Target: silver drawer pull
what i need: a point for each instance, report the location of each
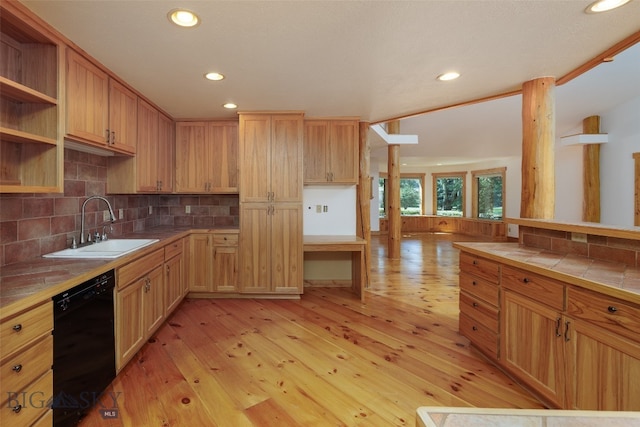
(526, 280)
(17, 368)
(474, 283)
(475, 328)
(611, 309)
(16, 408)
(475, 262)
(17, 327)
(475, 304)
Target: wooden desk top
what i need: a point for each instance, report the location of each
(333, 243)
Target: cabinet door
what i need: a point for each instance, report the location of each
(153, 300)
(129, 322)
(532, 345)
(123, 118)
(343, 152)
(603, 369)
(255, 158)
(286, 158)
(87, 99)
(286, 248)
(173, 283)
(147, 148)
(255, 247)
(192, 168)
(316, 144)
(225, 268)
(199, 263)
(222, 141)
(166, 153)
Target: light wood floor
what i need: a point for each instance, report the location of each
(325, 360)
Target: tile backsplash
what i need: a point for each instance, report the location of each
(36, 224)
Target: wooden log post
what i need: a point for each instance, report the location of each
(538, 139)
(363, 220)
(591, 172)
(393, 195)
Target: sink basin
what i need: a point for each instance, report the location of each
(108, 249)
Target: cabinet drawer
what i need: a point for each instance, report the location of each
(172, 249)
(479, 311)
(615, 315)
(225, 239)
(17, 371)
(483, 338)
(135, 269)
(480, 288)
(534, 286)
(480, 267)
(28, 404)
(20, 330)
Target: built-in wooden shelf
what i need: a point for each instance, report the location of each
(21, 93)
(13, 135)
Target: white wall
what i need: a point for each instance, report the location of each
(340, 217)
(622, 124)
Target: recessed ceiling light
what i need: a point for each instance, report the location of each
(230, 105)
(183, 18)
(605, 5)
(214, 76)
(451, 75)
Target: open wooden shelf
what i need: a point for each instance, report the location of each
(21, 93)
(19, 136)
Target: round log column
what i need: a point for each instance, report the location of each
(365, 187)
(538, 140)
(591, 173)
(393, 194)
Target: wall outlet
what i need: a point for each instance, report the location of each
(318, 208)
(120, 213)
(325, 208)
(187, 209)
(106, 216)
(579, 237)
(150, 210)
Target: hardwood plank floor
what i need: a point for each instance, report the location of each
(325, 360)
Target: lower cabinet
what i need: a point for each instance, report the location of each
(574, 348)
(148, 290)
(213, 263)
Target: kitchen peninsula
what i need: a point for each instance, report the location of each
(558, 310)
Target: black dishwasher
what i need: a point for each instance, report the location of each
(83, 347)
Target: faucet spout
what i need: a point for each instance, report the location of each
(113, 217)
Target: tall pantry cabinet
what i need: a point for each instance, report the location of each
(271, 181)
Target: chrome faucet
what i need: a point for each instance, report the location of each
(113, 217)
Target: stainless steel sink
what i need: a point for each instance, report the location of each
(109, 249)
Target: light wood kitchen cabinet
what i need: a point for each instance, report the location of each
(479, 303)
(603, 352)
(100, 110)
(31, 146)
(174, 279)
(271, 158)
(271, 254)
(26, 357)
(331, 151)
(151, 170)
(225, 262)
(213, 263)
(206, 157)
(139, 304)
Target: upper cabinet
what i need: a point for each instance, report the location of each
(271, 157)
(151, 170)
(100, 111)
(331, 151)
(31, 151)
(207, 157)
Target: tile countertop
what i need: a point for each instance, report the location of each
(31, 282)
(431, 416)
(614, 279)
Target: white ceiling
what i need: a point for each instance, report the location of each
(373, 59)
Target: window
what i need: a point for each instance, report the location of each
(488, 193)
(411, 194)
(448, 193)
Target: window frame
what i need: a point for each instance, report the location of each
(502, 171)
(407, 175)
(434, 179)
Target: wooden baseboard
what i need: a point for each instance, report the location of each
(223, 295)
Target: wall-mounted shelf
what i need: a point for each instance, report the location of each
(584, 138)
